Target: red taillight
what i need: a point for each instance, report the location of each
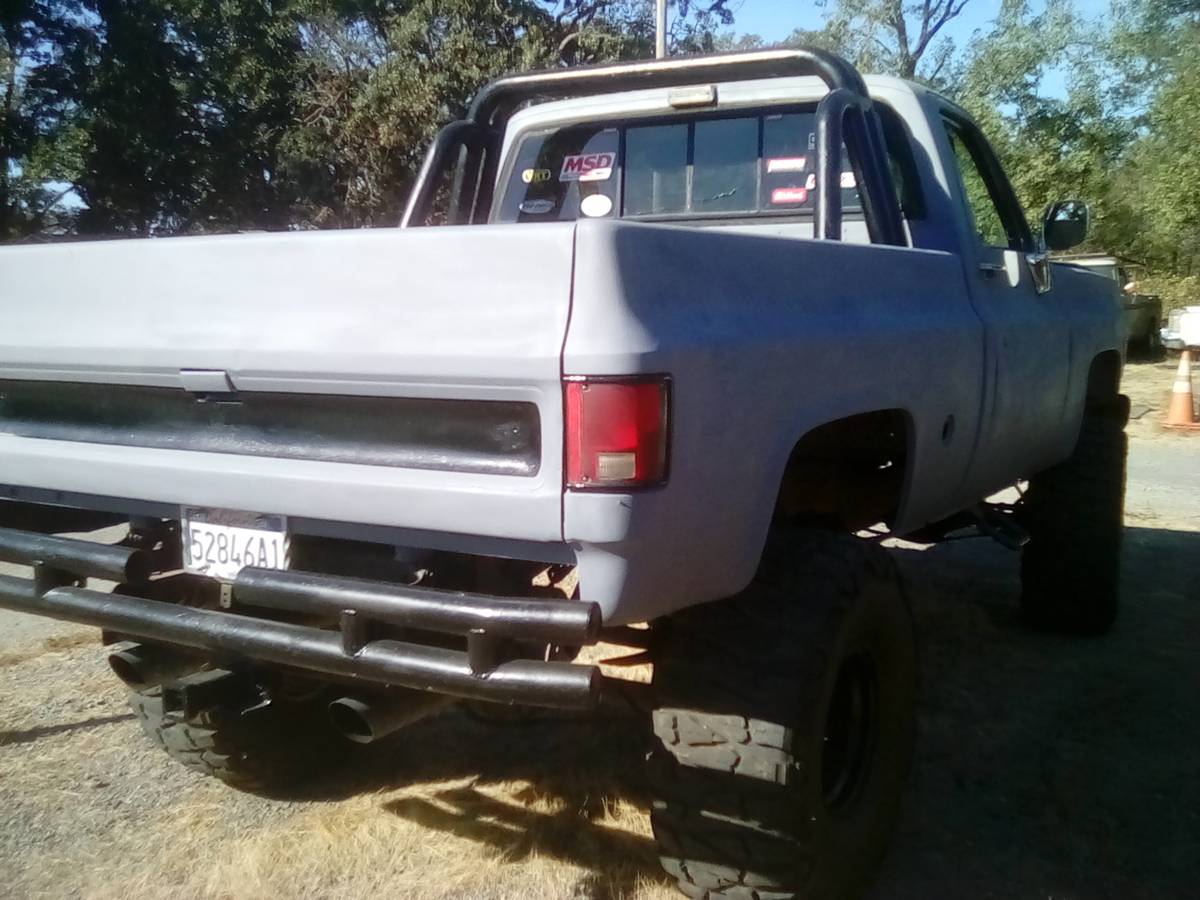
(616, 432)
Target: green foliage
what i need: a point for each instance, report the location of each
(904, 39)
(1123, 136)
(176, 116)
(1175, 290)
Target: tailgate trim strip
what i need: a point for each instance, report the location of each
(488, 437)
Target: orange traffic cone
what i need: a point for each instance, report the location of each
(1182, 411)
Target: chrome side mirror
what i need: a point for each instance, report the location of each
(1065, 224)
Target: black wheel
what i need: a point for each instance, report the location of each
(1074, 513)
(784, 726)
(258, 747)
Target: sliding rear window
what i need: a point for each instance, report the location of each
(714, 167)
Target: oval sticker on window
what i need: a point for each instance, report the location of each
(595, 205)
(535, 176)
(536, 207)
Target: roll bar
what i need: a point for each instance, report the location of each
(845, 114)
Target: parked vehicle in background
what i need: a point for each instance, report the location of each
(699, 332)
(1143, 312)
(1182, 330)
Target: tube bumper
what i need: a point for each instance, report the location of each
(483, 671)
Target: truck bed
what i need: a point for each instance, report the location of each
(333, 341)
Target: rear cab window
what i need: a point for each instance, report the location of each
(747, 164)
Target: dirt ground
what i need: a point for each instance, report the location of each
(1046, 767)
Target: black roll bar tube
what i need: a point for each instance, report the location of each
(846, 117)
(851, 115)
(445, 150)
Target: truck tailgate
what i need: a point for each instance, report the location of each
(208, 371)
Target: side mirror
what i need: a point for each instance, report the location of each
(1065, 224)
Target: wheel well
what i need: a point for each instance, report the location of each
(1104, 378)
(848, 473)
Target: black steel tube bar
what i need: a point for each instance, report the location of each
(86, 558)
(846, 117)
(680, 70)
(449, 141)
(552, 684)
(555, 622)
(846, 110)
(827, 208)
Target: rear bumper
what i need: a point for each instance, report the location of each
(484, 670)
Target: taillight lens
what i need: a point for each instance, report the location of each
(616, 432)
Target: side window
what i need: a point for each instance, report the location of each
(989, 224)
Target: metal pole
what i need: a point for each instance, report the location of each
(660, 31)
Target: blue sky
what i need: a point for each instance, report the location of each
(774, 19)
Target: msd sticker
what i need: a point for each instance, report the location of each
(789, 195)
(588, 167)
(787, 164)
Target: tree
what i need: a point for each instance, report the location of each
(379, 78)
(1052, 146)
(889, 36)
(34, 161)
(175, 116)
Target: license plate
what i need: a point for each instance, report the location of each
(220, 543)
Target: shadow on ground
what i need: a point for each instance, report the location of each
(32, 734)
(1046, 766)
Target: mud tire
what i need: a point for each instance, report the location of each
(759, 795)
(261, 749)
(1074, 513)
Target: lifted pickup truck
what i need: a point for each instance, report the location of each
(694, 334)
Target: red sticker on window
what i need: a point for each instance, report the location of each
(789, 195)
(588, 167)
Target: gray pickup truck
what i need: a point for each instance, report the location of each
(691, 336)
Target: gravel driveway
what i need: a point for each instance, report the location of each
(1047, 768)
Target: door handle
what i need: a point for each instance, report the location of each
(990, 269)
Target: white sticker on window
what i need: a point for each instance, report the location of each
(588, 167)
(787, 164)
(595, 205)
(848, 180)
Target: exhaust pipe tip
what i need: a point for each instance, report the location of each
(370, 718)
(352, 718)
(124, 664)
(145, 666)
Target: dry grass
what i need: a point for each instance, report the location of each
(56, 644)
(439, 840)
(458, 807)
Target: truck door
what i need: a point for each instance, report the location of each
(1026, 330)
